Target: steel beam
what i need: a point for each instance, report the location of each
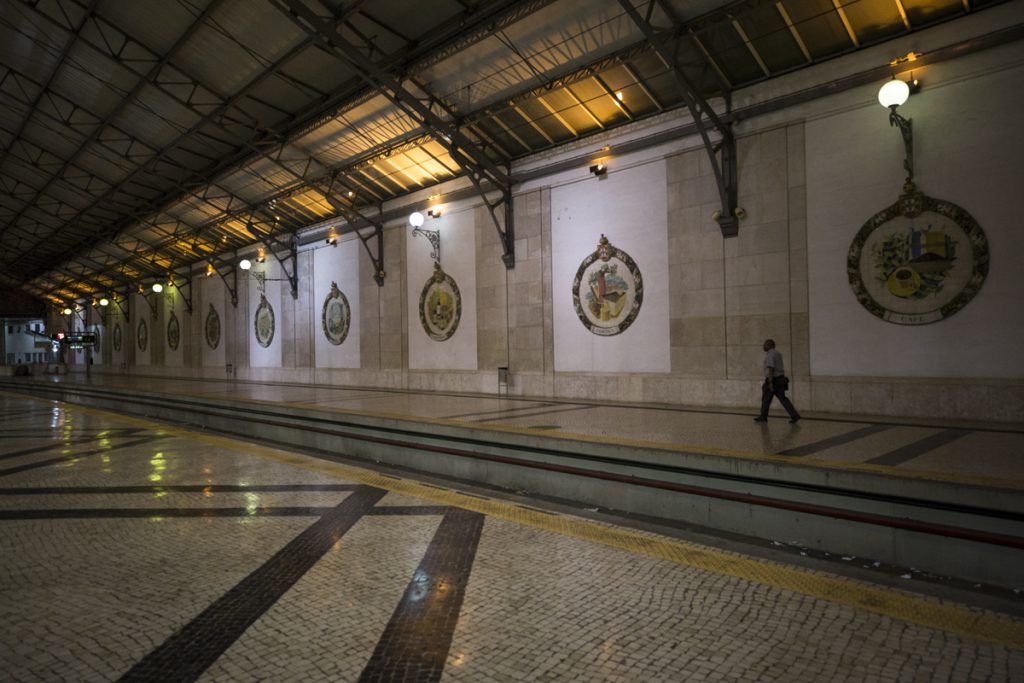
(706, 119)
(359, 220)
(273, 245)
(483, 172)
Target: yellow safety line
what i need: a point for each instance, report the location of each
(912, 609)
(976, 625)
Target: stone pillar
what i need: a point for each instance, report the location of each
(370, 308)
(394, 349)
(492, 290)
(306, 317)
(697, 329)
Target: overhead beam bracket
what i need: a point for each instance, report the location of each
(289, 264)
(485, 174)
(723, 154)
(360, 222)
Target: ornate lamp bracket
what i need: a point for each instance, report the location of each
(434, 237)
(906, 130)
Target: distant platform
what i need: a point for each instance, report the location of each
(944, 497)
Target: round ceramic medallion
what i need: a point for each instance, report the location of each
(212, 328)
(918, 261)
(173, 332)
(336, 316)
(143, 335)
(263, 322)
(117, 336)
(440, 305)
(608, 290)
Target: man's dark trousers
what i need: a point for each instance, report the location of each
(773, 388)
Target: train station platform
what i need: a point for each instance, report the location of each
(158, 529)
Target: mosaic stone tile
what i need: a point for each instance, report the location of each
(358, 585)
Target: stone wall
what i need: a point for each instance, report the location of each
(808, 178)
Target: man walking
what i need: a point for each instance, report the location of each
(775, 384)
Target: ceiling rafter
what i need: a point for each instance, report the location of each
(841, 13)
(511, 10)
(218, 153)
(182, 39)
(16, 135)
(222, 108)
(793, 32)
(251, 148)
(724, 169)
(478, 166)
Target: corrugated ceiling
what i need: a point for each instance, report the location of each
(137, 138)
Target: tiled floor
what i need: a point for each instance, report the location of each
(982, 453)
(135, 551)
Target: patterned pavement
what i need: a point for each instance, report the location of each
(131, 550)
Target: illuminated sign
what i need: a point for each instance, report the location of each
(75, 340)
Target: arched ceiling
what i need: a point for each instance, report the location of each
(137, 138)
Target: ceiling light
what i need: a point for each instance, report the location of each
(893, 93)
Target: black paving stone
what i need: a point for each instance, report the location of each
(76, 456)
(43, 449)
(177, 488)
(837, 440)
(409, 510)
(537, 414)
(190, 651)
(415, 643)
(920, 447)
(131, 513)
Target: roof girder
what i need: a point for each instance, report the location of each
(479, 168)
(724, 169)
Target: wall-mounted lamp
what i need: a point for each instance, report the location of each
(261, 255)
(245, 264)
(66, 311)
(332, 240)
(435, 212)
(157, 288)
(599, 169)
(892, 95)
(433, 236)
(104, 302)
(209, 270)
